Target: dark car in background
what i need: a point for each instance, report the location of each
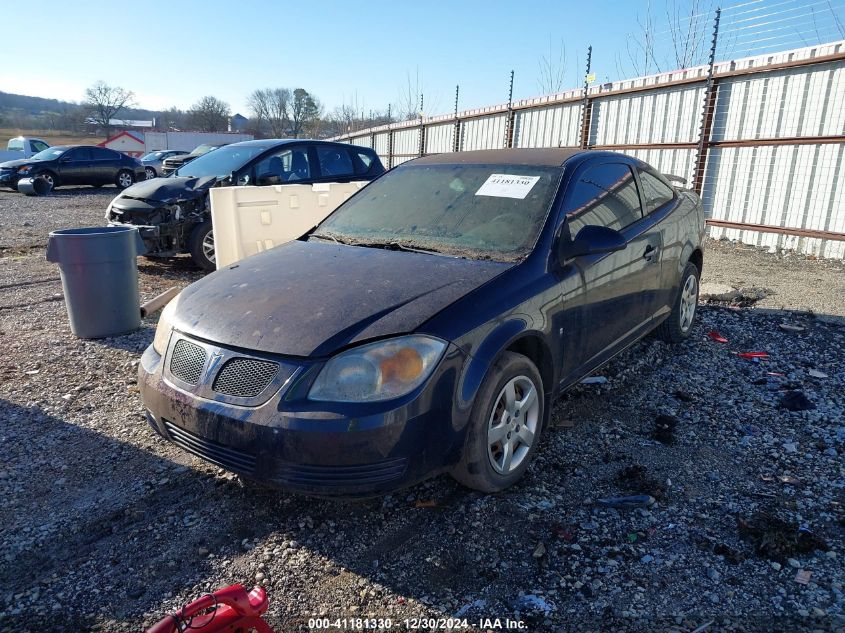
(172, 163)
(427, 324)
(173, 213)
(63, 165)
(152, 162)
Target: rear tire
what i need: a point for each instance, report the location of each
(125, 178)
(678, 324)
(505, 425)
(201, 246)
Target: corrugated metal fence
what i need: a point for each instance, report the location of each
(763, 142)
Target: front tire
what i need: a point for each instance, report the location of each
(504, 427)
(50, 178)
(201, 246)
(125, 178)
(150, 172)
(678, 324)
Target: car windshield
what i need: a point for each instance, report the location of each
(49, 154)
(199, 150)
(475, 211)
(153, 155)
(220, 162)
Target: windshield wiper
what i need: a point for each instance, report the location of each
(328, 237)
(398, 246)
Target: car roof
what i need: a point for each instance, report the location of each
(267, 143)
(555, 156)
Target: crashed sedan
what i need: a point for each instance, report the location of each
(427, 324)
(173, 214)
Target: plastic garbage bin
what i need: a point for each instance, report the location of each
(99, 278)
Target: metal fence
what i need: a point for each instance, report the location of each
(761, 138)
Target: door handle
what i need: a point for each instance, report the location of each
(650, 254)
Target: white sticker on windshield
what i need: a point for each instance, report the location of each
(507, 186)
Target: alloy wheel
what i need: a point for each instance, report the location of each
(49, 179)
(689, 299)
(150, 173)
(124, 179)
(208, 246)
(513, 425)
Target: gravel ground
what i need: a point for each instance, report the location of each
(105, 527)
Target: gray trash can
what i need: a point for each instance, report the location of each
(99, 278)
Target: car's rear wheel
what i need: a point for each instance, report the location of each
(505, 425)
(678, 324)
(125, 178)
(151, 173)
(202, 246)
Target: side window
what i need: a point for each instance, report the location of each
(37, 146)
(604, 195)
(101, 153)
(363, 160)
(656, 193)
(334, 161)
(78, 154)
(289, 165)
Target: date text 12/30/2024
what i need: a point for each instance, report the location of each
(415, 624)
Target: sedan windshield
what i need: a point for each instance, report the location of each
(220, 162)
(153, 155)
(476, 211)
(49, 154)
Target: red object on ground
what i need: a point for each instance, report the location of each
(714, 335)
(232, 609)
(752, 354)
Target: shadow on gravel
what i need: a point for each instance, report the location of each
(104, 530)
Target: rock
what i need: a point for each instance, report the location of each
(717, 292)
(713, 575)
(794, 563)
(203, 551)
(259, 576)
(775, 566)
(647, 558)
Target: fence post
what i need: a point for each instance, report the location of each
(456, 141)
(390, 146)
(509, 121)
(586, 105)
(421, 148)
(710, 91)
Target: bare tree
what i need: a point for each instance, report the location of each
(688, 30)
(104, 102)
(272, 106)
(552, 70)
(209, 114)
(304, 111)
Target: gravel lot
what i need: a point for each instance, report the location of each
(106, 527)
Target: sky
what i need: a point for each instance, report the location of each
(172, 53)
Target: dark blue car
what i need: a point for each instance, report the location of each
(428, 323)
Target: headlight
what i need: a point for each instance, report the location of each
(378, 371)
(165, 327)
(25, 169)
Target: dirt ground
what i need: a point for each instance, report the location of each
(104, 526)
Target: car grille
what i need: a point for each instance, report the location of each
(245, 377)
(223, 456)
(299, 475)
(187, 361)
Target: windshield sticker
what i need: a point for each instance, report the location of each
(507, 186)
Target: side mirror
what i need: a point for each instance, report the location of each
(591, 240)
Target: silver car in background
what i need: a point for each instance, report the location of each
(152, 161)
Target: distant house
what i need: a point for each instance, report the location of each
(237, 122)
(128, 142)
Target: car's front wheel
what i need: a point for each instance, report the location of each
(505, 425)
(202, 246)
(678, 324)
(151, 173)
(125, 178)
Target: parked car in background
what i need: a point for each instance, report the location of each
(23, 147)
(173, 213)
(75, 165)
(427, 324)
(172, 163)
(152, 162)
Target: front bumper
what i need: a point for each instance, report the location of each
(9, 178)
(327, 449)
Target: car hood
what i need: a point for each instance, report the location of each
(167, 190)
(20, 162)
(311, 299)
